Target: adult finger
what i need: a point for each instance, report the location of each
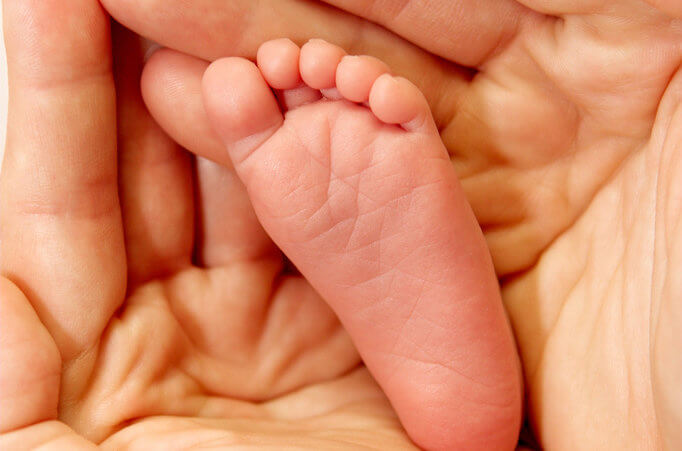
(155, 175)
(62, 237)
(227, 227)
(30, 368)
(210, 29)
(466, 32)
(30, 364)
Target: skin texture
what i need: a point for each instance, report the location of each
(365, 203)
(564, 128)
(565, 134)
(106, 327)
(110, 334)
(562, 118)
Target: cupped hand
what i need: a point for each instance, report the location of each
(109, 334)
(563, 120)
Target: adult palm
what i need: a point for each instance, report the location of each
(564, 127)
(110, 334)
(563, 119)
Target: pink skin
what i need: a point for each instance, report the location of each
(363, 199)
(355, 76)
(319, 60)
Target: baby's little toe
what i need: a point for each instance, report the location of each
(395, 100)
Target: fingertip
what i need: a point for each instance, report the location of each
(41, 44)
(156, 67)
(171, 86)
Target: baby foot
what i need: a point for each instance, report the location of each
(347, 173)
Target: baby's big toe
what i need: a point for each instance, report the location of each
(240, 105)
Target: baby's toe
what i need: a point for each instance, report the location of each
(240, 105)
(355, 76)
(395, 100)
(318, 63)
(278, 62)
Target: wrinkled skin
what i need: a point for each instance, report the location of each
(565, 128)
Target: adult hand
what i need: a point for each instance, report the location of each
(109, 334)
(563, 119)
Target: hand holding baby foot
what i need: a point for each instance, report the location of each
(561, 125)
(561, 119)
(112, 335)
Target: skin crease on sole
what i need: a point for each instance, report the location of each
(348, 175)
